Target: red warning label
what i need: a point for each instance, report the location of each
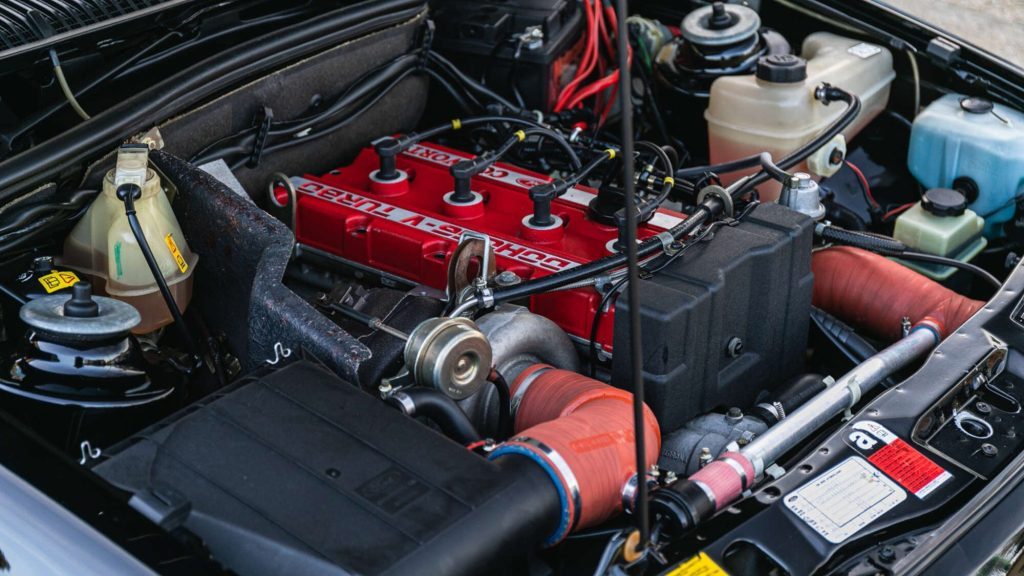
(897, 459)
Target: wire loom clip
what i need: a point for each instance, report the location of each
(263, 123)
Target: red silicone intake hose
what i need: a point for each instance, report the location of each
(875, 293)
(581, 430)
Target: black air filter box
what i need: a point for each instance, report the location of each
(724, 321)
(298, 472)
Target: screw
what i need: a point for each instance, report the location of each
(989, 450)
(705, 456)
(333, 472)
(887, 554)
(734, 348)
(983, 408)
(507, 278)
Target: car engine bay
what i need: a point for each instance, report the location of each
(510, 287)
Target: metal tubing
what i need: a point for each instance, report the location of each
(844, 394)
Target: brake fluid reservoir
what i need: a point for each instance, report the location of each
(941, 224)
(775, 110)
(976, 147)
(104, 249)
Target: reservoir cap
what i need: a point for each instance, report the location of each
(976, 105)
(782, 68)
(944, 202)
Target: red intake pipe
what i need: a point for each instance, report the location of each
(581, 432)
(875, 293)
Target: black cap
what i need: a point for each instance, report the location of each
(782, 68)
(976, 105)
(81, 304)
(944, 202)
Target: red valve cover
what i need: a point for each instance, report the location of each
(407, 228)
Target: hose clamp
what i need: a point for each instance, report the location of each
(405, 402)
(517, 398)
(563, 470)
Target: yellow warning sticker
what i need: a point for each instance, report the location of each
(699, 565)
(178, 258)
(58, 280)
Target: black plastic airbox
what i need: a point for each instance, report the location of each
(726, 319)
(298, 472)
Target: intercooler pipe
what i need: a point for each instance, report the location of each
(874, 293)
(720, 483)
(862, 288)
(580, 432)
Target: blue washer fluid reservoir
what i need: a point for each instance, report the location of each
(976, 146)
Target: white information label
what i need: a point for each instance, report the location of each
(864, 50)
(845, 499)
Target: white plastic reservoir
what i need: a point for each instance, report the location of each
(775, 110)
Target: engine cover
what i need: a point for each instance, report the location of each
(409, 230)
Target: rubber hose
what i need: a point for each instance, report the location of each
(864, 240)
(581, 431)
(439, 409)
(875, 293)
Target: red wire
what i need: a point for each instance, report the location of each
(589, 56)
(474, 445)
(863, 184)
(608, 81)
(897, 210)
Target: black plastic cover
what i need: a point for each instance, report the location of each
(727, 319)
(298, 472)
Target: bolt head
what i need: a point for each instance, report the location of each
(989, 450)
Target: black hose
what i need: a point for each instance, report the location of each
(128, 193)
(773, 170)
(890, 247)
(826, 93)
(865, 240)
(504, 404)
(636, 359)
(439, 409)
(710, 208)
(723, 168)
(851, 344)
(800, 390)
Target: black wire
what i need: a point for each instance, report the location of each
(953, 263)
(595, 325)
(633, 273)
(460, 99)
(468, 82)
(128, 193)
(338, 124)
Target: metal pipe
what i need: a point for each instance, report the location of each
(844, 394)
(686, 504)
